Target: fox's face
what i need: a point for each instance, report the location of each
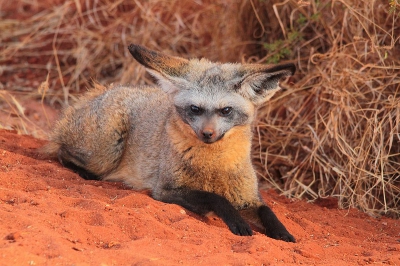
(207, 100)
(212, 112)
(212, 97)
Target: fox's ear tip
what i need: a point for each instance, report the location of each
(292, 68)
(286, 70)
(142, 54)
(133, 47)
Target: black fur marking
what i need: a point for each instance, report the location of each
(291, 67)
(203, 202)
(187, 169)
(63, 155)
(183, 114)
(259, 88)
(80, 171)
(240, 118)
(185, 162)
(121, 135)
(143, 55)
(187, 150)
(273, 227)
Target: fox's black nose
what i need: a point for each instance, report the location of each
(208, 133)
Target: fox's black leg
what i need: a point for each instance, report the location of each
(202, 202)
(273, 227)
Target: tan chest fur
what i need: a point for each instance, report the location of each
(223, 167)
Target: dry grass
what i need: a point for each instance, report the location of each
(335, 132)
(80, 40)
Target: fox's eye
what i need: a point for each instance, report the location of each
(196, 110)
(226, 111)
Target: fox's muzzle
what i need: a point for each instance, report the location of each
(209, 135)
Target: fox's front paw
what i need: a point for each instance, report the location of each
(240, 228)
(273, 227)
(281, 235)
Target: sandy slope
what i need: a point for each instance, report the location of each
(50, 216)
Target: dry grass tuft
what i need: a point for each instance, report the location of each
(335, 132)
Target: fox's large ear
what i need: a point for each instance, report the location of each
(260, 82)
(169, 70)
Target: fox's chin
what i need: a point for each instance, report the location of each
(208, 141)
(211, 140)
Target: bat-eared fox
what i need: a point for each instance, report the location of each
(187, 140)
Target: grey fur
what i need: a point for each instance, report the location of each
(188, 140)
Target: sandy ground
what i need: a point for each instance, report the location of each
(50, 216)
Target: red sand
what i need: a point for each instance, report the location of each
(50, 216)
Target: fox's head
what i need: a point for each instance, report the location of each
(212, 97)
